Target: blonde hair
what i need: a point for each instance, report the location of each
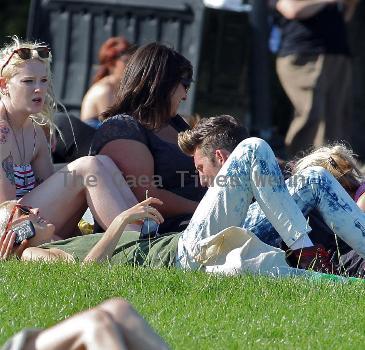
(5, 211)
(46, 116)
(338, 159)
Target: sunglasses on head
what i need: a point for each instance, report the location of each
(186, 83)
(23, 209)
(25, 53)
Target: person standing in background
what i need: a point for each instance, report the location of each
(314, 67)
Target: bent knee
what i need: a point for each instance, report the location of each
(118, 306)
(254, 146)
(82, 162)
(86, 165)
(104, 159)
(315, 171)
(311, 176)
(98, 319)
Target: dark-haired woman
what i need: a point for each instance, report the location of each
(140, 132)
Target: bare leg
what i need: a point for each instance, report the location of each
(112, 325)
(121, 185)
(118, 179)
(64, 195)
(136, 332)
(91, 330)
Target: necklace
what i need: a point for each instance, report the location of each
(22, 158)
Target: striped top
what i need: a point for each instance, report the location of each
(24, 175)
(24, 179)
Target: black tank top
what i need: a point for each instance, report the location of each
(324, 32)
(174, 168)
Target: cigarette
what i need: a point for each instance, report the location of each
(148, 222)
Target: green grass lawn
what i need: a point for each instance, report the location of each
(191, 310)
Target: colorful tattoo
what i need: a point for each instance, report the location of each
(7, 164)
(4, 132)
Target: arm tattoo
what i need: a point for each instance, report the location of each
(7, 164)
(4, 132)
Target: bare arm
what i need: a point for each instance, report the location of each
(301, 9)
(7, 248)
(42, 162)
(88, 107)
(105, 247)
(41, 254)
(350, 7)
(97, 99)
(24, 252)
(101, 251)
(136, 163)
(7, 180)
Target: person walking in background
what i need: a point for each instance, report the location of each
(113, 56)
(314, 68)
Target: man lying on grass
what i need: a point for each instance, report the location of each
(236, 172)
(211, 143)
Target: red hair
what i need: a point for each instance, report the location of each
(109, 52)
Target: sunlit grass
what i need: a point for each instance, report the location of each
(191, 310)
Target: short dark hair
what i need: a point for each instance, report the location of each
(150, 77)
(210, 134)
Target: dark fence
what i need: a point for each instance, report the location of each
(215, 41)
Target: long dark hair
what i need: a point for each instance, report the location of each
(151, 75)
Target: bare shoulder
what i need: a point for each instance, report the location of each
(125, 148)
(125, 152)
(52, 254)
(96, 100)
(100, 89)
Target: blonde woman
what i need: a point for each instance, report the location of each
(313, 183)
(97, 247)
(27, 103)
(340, 161)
